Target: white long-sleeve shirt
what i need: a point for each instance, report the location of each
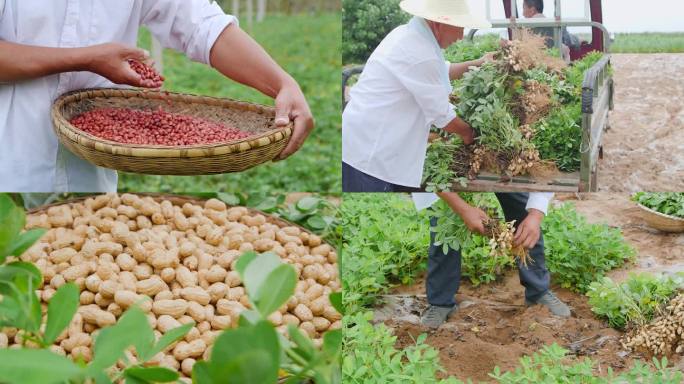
(31, 159)
(403, 91)
(537, 200)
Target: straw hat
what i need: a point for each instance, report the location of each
(452, 12)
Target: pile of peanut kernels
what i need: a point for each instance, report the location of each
(664, 334)
(175, 262)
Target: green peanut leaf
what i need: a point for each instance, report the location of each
(336, 301)
(244, 261)
(61, 310)
(25, 240)
(12, 220)
(201, 373)
(281, 286)
(303, 345)
(257, 271)
(332, 342)
(153, 374)
(167, 339)
(35, 366)
(308, 203)
(248, 354)
(132, 329)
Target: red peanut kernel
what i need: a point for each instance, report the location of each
(154, 127)
(147, 73)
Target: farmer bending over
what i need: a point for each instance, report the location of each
(444, 269)
(402, 92)
(48, 48)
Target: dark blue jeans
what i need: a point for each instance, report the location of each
(444, 270)
(354, 180)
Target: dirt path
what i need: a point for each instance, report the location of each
(493, 328)
(658, 251)
(644, 150)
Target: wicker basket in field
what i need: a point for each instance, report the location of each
(264, 144)
(661, 221)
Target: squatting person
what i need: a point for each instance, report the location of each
(403, 91)
(48, 48)
(444, 269)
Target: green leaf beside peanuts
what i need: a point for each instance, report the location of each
(61, 310)
(21, 366)
(151, 374)
(247, 355)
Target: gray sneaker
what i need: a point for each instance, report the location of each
(435, 316)
(553, 303)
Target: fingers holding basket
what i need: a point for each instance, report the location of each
(292, 106)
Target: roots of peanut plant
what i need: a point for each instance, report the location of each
(534, 103)
(508, 164)
(501, 241)
(528, 50)
(463, 158)
(520, 163)
(527, 131)
(663, 335)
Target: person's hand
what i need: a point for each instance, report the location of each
(110, 60)
(291, 105)
(468, 134)
(529, 230)
(474, 218)
(488, 57)
(459, 127)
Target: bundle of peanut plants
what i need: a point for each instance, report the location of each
(484, 256)
(524, 108)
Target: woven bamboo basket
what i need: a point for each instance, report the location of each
(661, 221)
(266, 142)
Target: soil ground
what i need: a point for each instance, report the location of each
(644, 149)
(494, 328)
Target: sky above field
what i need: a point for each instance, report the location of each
(618, 15)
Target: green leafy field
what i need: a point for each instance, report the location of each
(648, 43)
(309, 49)
(385, 244)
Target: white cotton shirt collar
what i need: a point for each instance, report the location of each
(31, 159)
(536, 200)
(403, 91)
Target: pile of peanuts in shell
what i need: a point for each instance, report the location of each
(175, 262)
(664, 334)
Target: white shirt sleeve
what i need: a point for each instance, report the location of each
(536, 200)
(423, 81)
(423, 200)
(189, 26)
(539, 201)
(2, 8)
